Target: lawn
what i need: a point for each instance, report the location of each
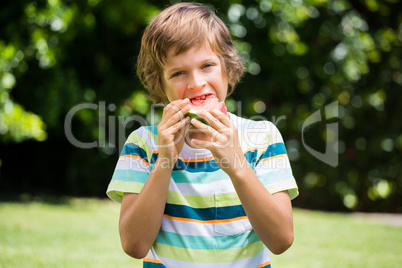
(83, 233)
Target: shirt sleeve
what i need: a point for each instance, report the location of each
(273, 166)
(133, 166)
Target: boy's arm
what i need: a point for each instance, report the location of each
(141, 214)
(269, 214)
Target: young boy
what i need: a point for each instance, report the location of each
(197, 195)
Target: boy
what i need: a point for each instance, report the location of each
(197, 195)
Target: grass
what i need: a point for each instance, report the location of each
(342, 240)
(83, 233)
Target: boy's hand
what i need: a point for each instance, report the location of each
(172, 130)
(224, 140)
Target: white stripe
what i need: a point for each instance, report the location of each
(221, 187)
(288, 184)
(251, 262)
(136, 164)
(205, 229)
(274, 164)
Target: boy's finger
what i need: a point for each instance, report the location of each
(208, 130)
(212, 120)
(182, 112)
(223, 118)
(180, 103)
(201, 143)
(174, 113)
(181, 127)
(176, 107)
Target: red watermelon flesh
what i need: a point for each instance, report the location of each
(207, 103)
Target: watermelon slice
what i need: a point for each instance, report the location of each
(205, 103)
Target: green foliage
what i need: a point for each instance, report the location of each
(15, 123)
(300, 57)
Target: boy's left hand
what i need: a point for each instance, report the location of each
(224, 140)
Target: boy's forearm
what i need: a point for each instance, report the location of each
(141, 215)
(270, 215)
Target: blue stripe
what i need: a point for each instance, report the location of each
(267, 266)
(152, 265)
(251, 156)
(134, 149)
(187, 212)
(180, 165)
(230, 212)
(273, 150)
(276, 176)
(180, 176)
(204, 166)
(192, 167)
(206, 242)
(204, 214)
(153, 129)
(130, 175)
(201, 174)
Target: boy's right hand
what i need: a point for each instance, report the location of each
(172, 130)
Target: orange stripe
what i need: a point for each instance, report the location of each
(210, 158)
(200, 221)
(264, 264)
(203, 159)
(196, 160)
(249, 150)
(272, 157)
(133, 156)
(152, 260)
(186, 160)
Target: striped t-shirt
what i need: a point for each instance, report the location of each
(204, 224)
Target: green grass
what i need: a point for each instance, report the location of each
(83, 233)
(341, 240)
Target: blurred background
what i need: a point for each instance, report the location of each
(69, 95)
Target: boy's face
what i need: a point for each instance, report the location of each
(194, 73)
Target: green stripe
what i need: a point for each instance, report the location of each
(207, 256)
(152, 135)
(116, 189)
(206, 242)
(190, 200)
(137, 139)
(204, 201)
(224, 200)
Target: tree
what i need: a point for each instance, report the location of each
(301, 57)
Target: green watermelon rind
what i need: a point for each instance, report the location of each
(193, 114)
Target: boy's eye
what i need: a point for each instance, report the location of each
(177, 74)
(207, 65)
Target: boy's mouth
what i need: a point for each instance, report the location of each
(200, 99)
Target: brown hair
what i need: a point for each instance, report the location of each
(183, 26)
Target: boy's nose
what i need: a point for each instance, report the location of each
(196, 82)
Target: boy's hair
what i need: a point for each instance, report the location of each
(183, 26)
